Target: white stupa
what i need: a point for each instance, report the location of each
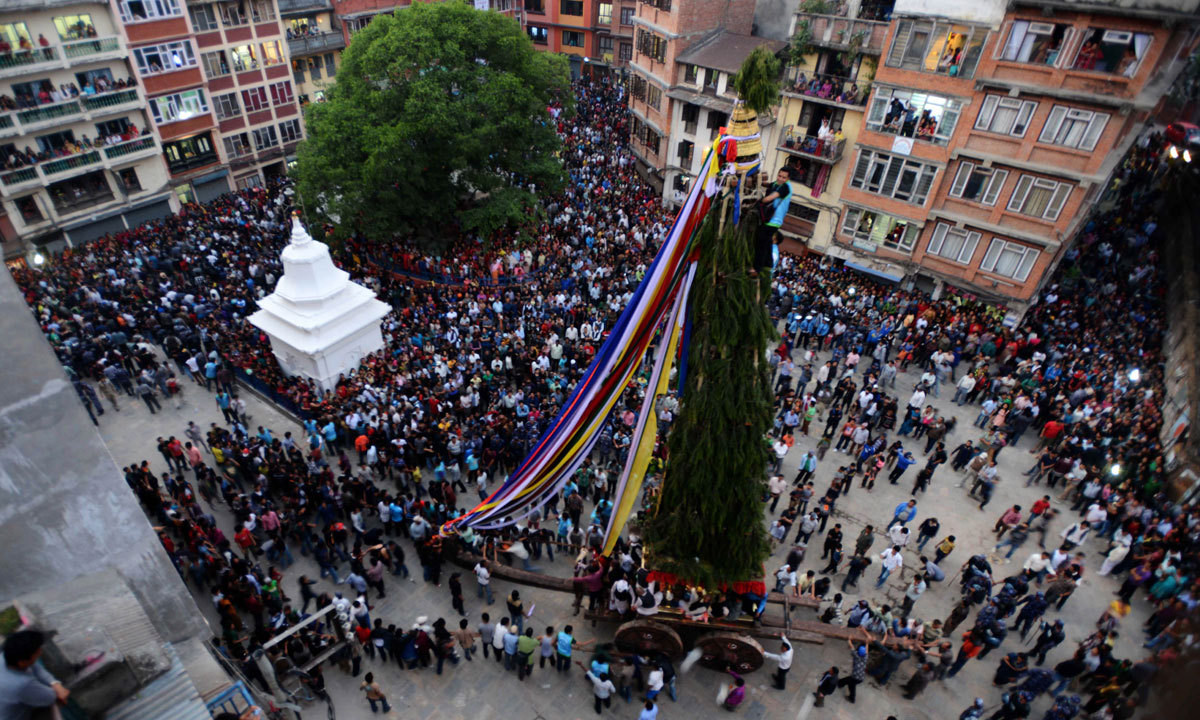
(320, 323)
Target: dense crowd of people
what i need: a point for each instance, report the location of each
(479, 356)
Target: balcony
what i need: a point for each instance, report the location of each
(27, 61)
(45, 115)
(93, 49)
(143, 146)
(15, 181)
(74, 162)
(810, 147)
(111, 102)
(315, 44)
(841, 33)
(826, 89)
(301, 6)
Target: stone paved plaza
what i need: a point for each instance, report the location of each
(481, 689)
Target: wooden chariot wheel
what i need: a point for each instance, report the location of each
(721, 650)
(649, 637)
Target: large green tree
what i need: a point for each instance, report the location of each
(707, 527)
(439, 116)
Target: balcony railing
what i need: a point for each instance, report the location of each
(18, 177)
(112, 152)
(110, 99)
(831, 88)
(74, 162)
(22, 58)
(828, 150)
(865, 36)
(91, 46)
(310, 44)
(192, 161)
(6, 122)
(291, 6)
(49, 112)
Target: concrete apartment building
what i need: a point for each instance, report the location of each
(990, 130)
(315, 39)
(828, 89)
(77, 163)
(685, 52)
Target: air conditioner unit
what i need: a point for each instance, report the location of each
(1121, 37)
(1041, 28)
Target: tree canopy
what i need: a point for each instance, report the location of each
(439, 116)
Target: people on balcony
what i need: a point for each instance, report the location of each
(27, 158)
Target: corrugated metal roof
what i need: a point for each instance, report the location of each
(725, 51)
(171, 696)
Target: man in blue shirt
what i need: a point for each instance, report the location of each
(775, 207)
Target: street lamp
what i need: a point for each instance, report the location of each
(851, 290)
(1115, 470)
(38, 258)
(1135, 375)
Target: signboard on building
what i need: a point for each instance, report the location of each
(481, 4)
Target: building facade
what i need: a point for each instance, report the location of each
(315, 38)
(662, 86)
(595, 35)
(79, 152)
(824, 100)
(989, 132)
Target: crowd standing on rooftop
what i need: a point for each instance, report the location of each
(485, 342)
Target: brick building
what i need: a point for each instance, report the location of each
(991, 129)
(684, 54)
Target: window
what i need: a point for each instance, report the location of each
(690, 116)
(227, 106)
(869, 228)
(1118, 52)
(255, 99)
(108, 128)
(1009, 259)
(289, 131)
(232, 14)
(237, 145)
(55, 140)
(627, 15)
(13, 33)
(179, 106)
(330, 64)
(626, 51)
(637, 86)
(604, 44)
(244, 58)
(690, 72)
(298, 67)
(654, 96)
(893, 176)
(978, 184)
(570, 7)
(651, 45)
(164, 58)
(271, 54)
(604, 13)
(572, 38)
(203, 17)
(314, 68)
(1005, 115)
(262, 10)
(646, 135)
(1039, 197)
(265, 137)
(660, 4)
(539, 35)
(30, 212)
(535, 6)
(250, 181)
(281, 93)
(685, 150)
(933, 117)
(215, 64)
(73, 27)
(937, 47)
(953, 244)
(712, 79)
(1034, 42)
(136, 10)
(188, 153)
(1073, 127)
(129, 179)
(716, 121)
